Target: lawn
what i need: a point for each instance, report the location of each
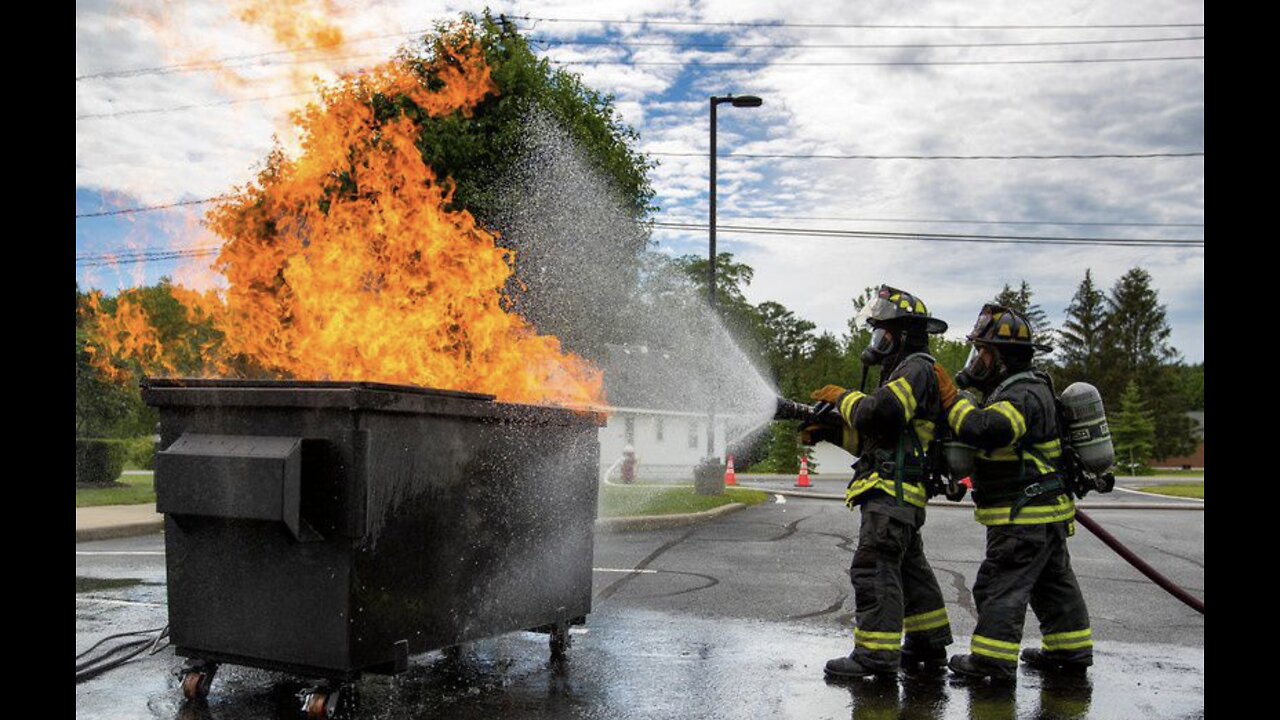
(128, 490)
(1186, 490)
(632, 500)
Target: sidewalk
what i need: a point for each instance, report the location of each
(114, 521)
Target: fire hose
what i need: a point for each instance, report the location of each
(1142, 566)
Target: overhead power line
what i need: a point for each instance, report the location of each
(860, 26)
(912, 63)
(1063, 223)
(135, 257)
(218, 103)
(937, 237)
(861, 46)
(148, 208)
(777, 156)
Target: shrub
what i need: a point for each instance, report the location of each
(99, 461)
(142, 452)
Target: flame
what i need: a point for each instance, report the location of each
(349, 263)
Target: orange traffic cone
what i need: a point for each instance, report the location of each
(803, 479)
(729, 477)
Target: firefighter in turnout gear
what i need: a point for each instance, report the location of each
(1022, 500)
(901, 616)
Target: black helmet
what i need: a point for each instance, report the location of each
(999, 325)
(897, 311)
(1008, 335)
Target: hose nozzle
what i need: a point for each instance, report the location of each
(792, 410)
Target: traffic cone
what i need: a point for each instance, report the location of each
(729, 477)
(803, 479)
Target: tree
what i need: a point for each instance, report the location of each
(1133, 431)
(784, 449)
(738, 315)
(786, 342)
(1080, 341)
(1136, 339)
(1020, 300)
(104, 408)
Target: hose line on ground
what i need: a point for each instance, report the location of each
(1142, 566)
(118, 655)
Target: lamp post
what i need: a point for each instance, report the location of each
(739, 101)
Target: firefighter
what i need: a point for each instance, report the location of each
(901, 617)
(1022, 500)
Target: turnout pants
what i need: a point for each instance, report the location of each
(1029, 563)
(897, 596)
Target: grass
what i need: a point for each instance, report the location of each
(1186, 490)
(128, 490)
(1179, 473)
(633, 500)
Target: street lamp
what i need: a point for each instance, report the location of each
(739, 101)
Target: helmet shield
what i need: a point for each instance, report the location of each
(890, 304)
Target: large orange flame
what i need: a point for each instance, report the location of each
(348, 263)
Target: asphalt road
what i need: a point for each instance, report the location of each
(728, 619)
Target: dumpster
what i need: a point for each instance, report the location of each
(328, 529)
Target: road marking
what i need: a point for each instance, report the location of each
(624, 570)
(119, 552)
(1157, 495)
(109, 601)
(779, 499)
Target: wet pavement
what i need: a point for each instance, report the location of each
(729, 619)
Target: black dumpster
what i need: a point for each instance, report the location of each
(332, 528)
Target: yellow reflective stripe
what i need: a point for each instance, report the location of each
(1051, 449)
(1062, 509)
(913, 494)
(872, 635)
(877, 646)
(959, 411)
(926, 621)
(1073, 635)
(993, 654)
(848, 403)
(1004, 454)
(925, 431)
(997, 649)
(902, 390)
(1081, 645)
(1005, 408)
(851, 441)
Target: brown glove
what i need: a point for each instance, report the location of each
(946, 387)
(828, 394)
(817, 432)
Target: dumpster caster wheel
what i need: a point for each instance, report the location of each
(560, 641)
(321, 703)
(197, 681)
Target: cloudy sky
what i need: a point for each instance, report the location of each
(158, 124)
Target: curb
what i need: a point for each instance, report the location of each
(112, 532)
(657, 522)
(969, 504)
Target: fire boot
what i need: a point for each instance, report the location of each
(848, 667)
(972, 667)
(917, 655)
(1048, 661)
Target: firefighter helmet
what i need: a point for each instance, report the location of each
(890, 304)
(999, 325)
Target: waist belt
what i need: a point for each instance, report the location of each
(1020, 498)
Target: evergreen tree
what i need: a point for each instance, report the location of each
(1133, 431)
(784, 449)
(1136, 349)
(1080, 341)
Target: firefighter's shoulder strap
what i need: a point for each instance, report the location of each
(1053, 486)
(908, 435)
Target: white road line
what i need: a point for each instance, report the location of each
(119, 552)
(625, 570)
(1157, 495)
(110, 601)
(779, 499)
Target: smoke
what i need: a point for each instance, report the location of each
(591, 278)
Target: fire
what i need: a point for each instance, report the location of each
(349, 263)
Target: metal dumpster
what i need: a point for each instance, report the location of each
(332, 528)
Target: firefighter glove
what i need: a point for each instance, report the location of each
(828, 394)
(946, 387)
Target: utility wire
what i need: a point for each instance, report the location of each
(735, 63)
(862, 26)
(218, 103)
(955, 222)
(806, 46)
(149, 208)
(1099, 156)
(938, 237)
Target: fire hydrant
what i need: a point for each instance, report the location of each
(628, 465)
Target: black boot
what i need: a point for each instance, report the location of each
(972, 667)
(848, 667)
(931, 657)
(1057, 662)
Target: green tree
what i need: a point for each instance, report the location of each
(1133, 431)
(103, 408)
(787, 342)
(784, 449)
(738, 315)
(1080, 341)
(1136, 339)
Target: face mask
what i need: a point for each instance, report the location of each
(976, 370)
(882, 344)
